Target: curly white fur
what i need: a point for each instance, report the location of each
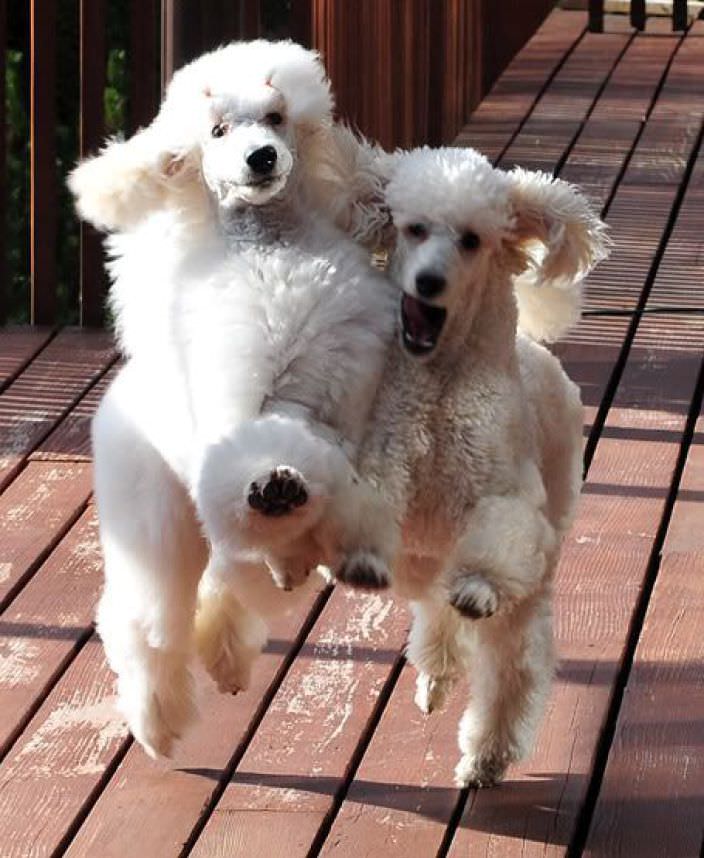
(255, 332)
(475, 438)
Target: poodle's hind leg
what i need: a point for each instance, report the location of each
(511, 674)
(435, 649)
(153, 553)
(229, 636)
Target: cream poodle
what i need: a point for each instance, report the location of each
(475, 438)
(255, 333)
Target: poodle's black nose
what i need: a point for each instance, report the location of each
(262, 160)
(428, 285)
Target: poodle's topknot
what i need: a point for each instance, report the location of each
(296, 72)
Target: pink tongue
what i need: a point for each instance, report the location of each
(416, 323)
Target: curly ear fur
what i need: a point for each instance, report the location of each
(132, 178)
(348, 176)
(559, 239)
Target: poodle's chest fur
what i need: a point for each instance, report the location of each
(439, 437)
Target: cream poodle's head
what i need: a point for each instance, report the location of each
(232, 127)
(465, 227)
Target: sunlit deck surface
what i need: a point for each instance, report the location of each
(326, 753)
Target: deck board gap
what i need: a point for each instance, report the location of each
(357, 756)
(5, 383)
(605, 740)
(43, 556)
(562, 160)
(644, 123)
(638, 312)
(258, 717)
(540, 93)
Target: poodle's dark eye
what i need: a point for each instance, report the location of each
(419, 231)
(220, 130)
(274, 118)
(469, 240)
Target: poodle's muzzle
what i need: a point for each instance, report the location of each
(249, 166)
(421, 324)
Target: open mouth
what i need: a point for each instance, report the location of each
(421, 325)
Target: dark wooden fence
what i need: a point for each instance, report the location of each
(404, 71)
(638, 15)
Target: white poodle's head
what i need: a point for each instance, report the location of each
(465, 227)
(232, 126)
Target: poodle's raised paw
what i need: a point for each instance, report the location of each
(432, 692)
(481, 770)
(282, 491)
(364, 571)
(474, 597)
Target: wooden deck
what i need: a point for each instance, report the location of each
(327, 754)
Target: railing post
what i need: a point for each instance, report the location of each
(93, 57)
(638, 14)
(143, 66)
(43, 161)
(679, 15)
(596, 16)
(3, 165)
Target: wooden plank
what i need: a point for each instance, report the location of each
(43, 196)
(495, 121)
(284, 786)
(403, 794)
(558, 116)
(604, 563)
(60, 759)
(44, 393)
(650, 801)
(46, 623)
(35, 513)
(70, 441)
(597, 159)
(18, 346)
(174, 792)
(92, 59)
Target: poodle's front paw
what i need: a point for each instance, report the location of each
(432, 692)
(279, 493)
(474, 597)
(287, 575)
(482, 770)
(365, 571)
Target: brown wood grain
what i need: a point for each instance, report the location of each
(35, 512)
(43, 177)
(403, 794)
(176, 791)
(47, 389)
(47, 621)
(497, 118)
(285, 784)
(92, 61)
(3, 170)
(60, 758)
(18, 345)
(650, 802)
(70, 441)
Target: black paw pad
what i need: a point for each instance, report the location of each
(283, 492)
(474, 601)
(364, 573)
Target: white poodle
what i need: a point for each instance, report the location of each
(475, 437)
(256, 334)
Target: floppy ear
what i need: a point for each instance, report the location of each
(347, 176)
(556, 228)
(131, 178)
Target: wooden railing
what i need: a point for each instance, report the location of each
(404, 71)
(638, 15)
